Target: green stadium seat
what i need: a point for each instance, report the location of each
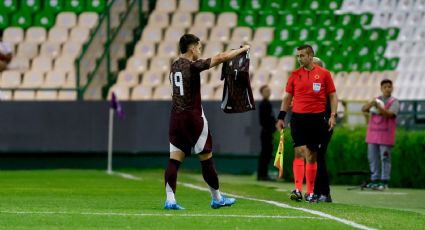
(367, 65)
(254, 5)
(211, 5)
(346, 20)
(375, 34)
(53, 6)
(301, 34)
(44, 19)
(97, 6)
(380, 64)
(349, 49)
(232, 5)
(4, 20)
(340, 34)
(321, 33)
(332, 4)
(392, 33)
(325, 19)
(339, 64)
(392, 63)
(283, 34)
(357, 34)
(8, 6)
(248, 18)
(294, 5)
(76, 6)
(274, 4)
(267, 18)
(365, 19)
(22, 20)
(30, 6)
(379, 48)
(306, 19)
(280, 48)
(287, 18)
(315, 5)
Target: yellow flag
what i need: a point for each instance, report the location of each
(278, 160)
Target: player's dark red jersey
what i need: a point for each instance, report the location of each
(237, 92)
(186, 84)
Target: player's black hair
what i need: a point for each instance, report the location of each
(308, 47)
(385, 81)
(187, 40)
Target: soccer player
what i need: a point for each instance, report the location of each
(188, 126)
(321, 185)
(380, 135)
(308, 87)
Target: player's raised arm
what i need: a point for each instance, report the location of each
(225, 56)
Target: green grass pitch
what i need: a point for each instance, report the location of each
(89, 199)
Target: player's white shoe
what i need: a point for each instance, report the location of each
(223, 202)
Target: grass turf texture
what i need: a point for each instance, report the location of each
(77, 199)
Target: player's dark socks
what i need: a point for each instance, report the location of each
(209, 173)
(170, 175)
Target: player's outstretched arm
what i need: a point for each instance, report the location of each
(225, 56)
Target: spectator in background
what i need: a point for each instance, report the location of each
(268, 127)
(308, 87)
(321, 186)
(5, 53)
(381, 134)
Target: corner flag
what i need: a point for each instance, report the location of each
(278, 160)
(116, 105)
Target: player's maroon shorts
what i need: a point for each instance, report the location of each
(189, 130)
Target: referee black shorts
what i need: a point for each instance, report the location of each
(308, 129)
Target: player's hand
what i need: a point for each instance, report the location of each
(373, 102)
(246, 46)
(332, 122)
(280, 124)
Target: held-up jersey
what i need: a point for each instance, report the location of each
(186, 84)
(237, 92)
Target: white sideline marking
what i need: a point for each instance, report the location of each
(126, 176)
(283, 205)
(383, 193)
(159, 215)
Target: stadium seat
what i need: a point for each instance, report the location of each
(145, 49)
(32, 79)
(35, 35)
(387, 5)
(165, 6)
(88, 20)
(58, 34)
(128, 78)
(152, 34)
(227, 19)
(241, 34)
(67, 95)
(122, 92)
(21, 19)
(97, 6)
(276, 93)
(189, 6)
(268, 18)
(212, 48)
(24, 95)
(260, 78)
(218, 93)
(46, 95)
(268, 63)
(9, 6)
(66, 20)
(278, 79)
(258, 50)
(158, 19)
(211, 6)
(20, 64)
(79, 34)
(200, 31)
(204, 19)
(72, 49)
(13, 35)
(263, 34)
(10, 79)
(141, 92)
(174, 33)
(167, 49)
(137, 64)
(27, 49)
(248, 18)
(152, 78)
(64, 63)
(207, 92)
(221, 34)
(50, 49)
(181, 19)
(76, 6)
(41, 64)
(54, 79)
(44, 19)
(160, 63)
(162, 92)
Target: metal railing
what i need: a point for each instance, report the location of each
(94, 67)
